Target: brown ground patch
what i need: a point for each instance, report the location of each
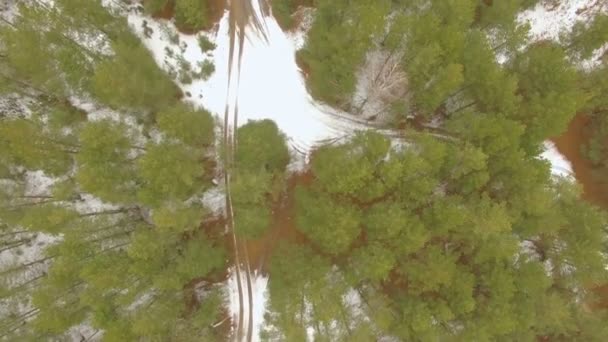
(215, 12)
(167, 12)
(215, 9)
(570, 145)
(283, 226)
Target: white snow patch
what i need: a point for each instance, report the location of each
(8, 9)
(259, 286)
(550, 19)
(547, 19)
(214, 199)
(560, 166)
(298, 161)
(30, 252)
(307, 17)
(260, 298)
(16, 106)
(94, 112)
(84, 332)
(352, 299)
(91, 204)
(595, 60)
(37, 183)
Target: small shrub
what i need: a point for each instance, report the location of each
(207, 69)
(191, 15)
(205, 44)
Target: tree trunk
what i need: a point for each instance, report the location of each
(24, 266)
(463, 107)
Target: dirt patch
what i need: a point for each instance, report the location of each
(283, 225)
(167, 12)
(570, 144)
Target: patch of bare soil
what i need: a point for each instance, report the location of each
(283, 227)
(570, 145)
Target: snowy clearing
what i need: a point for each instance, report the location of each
(282, 96)
(550, 18)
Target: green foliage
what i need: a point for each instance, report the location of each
(373, 262)
(132, 80)
(205, 44)
(123, 249)
(104, 165)
(261, 159)
(445, 241)
(261, 147)
(207, 68)
(358, 157)
(283, 11)
(199, 259)
(316, 212)
(27, 54)
(337, 42)
(190, 126)
(587, 36)
(435, 70)
(549, 91)
(169, 172)
(155, 6)
(493, 89)
(427, 239)
(191, 15)
(28, 144)
(177, 218)
(501, 13)
(595, 85)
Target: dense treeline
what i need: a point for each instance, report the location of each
(441, 236)
(439, 239)
(125, 203)
(449, 55)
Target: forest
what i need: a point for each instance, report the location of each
(452, 230)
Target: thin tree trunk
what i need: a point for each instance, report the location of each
(14, 244)
(111, 236)
(464, 107)
(107, 212)
(14, 233)
(18, 288)
(24, 266)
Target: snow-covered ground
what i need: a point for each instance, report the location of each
(560, 166)
(548, 19)
(259, 287)
(267, 85)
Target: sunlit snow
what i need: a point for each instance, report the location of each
(269, 83)
(560, 166)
